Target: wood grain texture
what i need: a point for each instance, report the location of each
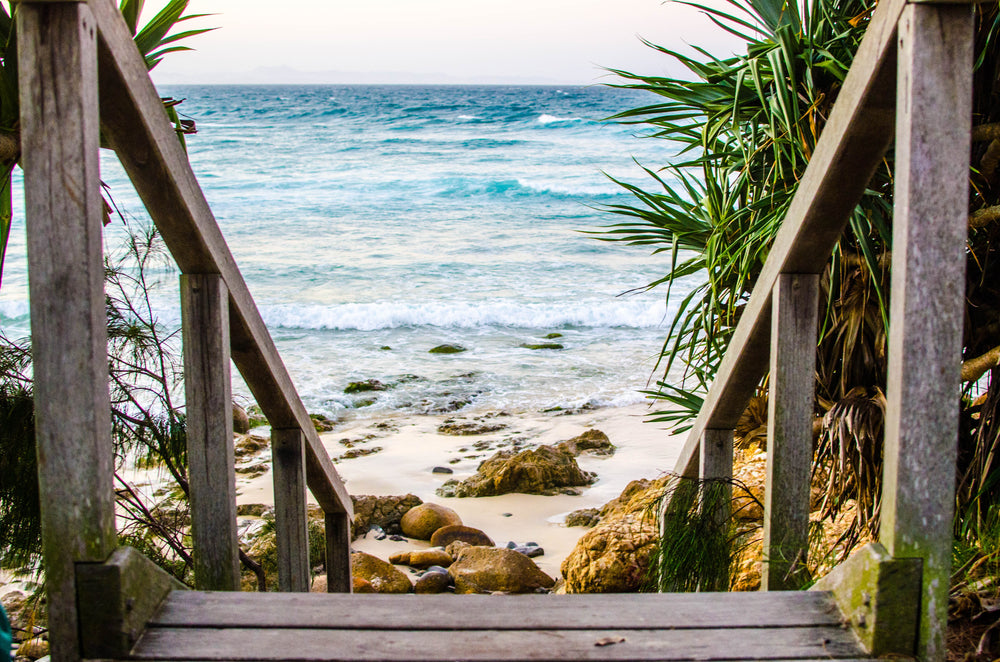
(791, 395)
(853, 142)
(59, 135)
(338, 553)
(209, 421)
(515, 612)
(137, 128)
(290, 516)
(415, 646)
(927, 298)
(716, 464)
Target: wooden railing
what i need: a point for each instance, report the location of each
(81, 76)
(910, 81)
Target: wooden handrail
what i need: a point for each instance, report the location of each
(849, 150)
(135, 125)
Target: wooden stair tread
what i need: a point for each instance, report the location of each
(194, 625)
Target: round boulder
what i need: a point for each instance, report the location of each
(467, 534)
(382, 576)
(422, 521)
(432, 582)
(492, 569)
(241, 420)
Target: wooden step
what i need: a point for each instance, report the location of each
(196, 625)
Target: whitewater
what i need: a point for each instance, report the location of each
(373, 223)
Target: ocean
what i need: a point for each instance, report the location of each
(373, 223)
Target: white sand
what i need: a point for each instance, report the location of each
(412, 448)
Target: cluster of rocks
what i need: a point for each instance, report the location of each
(27, 621)
(461, 559)
(542, 470)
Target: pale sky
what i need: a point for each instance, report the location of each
(433, 41)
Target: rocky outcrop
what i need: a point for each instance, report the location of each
(384, 512)
(422, 521)
(383, 577)
(365, 386)
(583, 517)
(544, 470)
(467, 534)
(594, 442)
(614, 556)
(492, 569)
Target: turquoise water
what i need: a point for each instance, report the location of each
(366, 217)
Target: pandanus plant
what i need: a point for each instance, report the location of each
(744, 128)
(155, 39)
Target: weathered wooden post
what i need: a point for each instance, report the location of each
(934, 93)
(211, 469)
(288, 458)
(794, 314)
(338, 553)
(715, 468)
(59, 136)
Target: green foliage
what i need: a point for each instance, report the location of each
(696, 547)
(154, 40)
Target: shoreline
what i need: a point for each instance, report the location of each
(412, 447)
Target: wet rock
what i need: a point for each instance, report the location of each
(432, 582)
(365, 386)
(253, 470)
(422, 521)
(541, 345)
(381, 511)
(382, 576)
(591, 441)
(458, 428)
(446, 349)
(241, 420)
(492, 569)
(544, 470)
(442, 470)
(553, 336)
(614, 556)
(529, 549)
(358, 452)
(446, 535)
(583, 517)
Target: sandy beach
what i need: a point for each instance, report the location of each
(412, 446)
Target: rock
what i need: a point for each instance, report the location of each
(33, 648)
(541, 345)
(458, 428)
(382, 576)
(446, 349)
(241, 420)
(425, 558)
(447, 489)
(455, 548)
(591, 441)
(432, 582)
(359, 585)
(446, 535)
(544, 470)
(400, 558)
(491, 569)
(442, 470)
(381, 511)
(553, 336)
(249, 445)
(366, 385)
(529, 549)
(421, 522)
(322, 423)
(253, 509)
(614, 556)
(583, 517)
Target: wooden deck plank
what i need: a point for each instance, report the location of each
(683, 610)
(479, 645)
